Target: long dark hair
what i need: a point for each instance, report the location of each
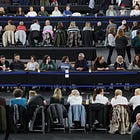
(95, 92)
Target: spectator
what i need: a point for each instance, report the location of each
(121, 43)
(32, 65)
(119, 99)
(120, 64)
(2, 11)
(67, 12)
(4, 64)
(98, 97)
(47, 64)
(111, 25)
(111, 44)
(81, 64)
(135, 131)
(19, 100)
(31, 12)
(42, 12)
(123, 10)
(20, 34)
(20, 12)
(135, 100)
(10, 26)
(136, 42)
(134, 29)
(111, 11)
(57, 97)
(64, 64)
(100, 64)
(56, 12)
(135, 11)
(122, 26)
(135, 65)
(17, 65)
(74, 98)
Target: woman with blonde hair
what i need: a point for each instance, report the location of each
(75, 98)
(57, 97)
(119, 99)
(121, 43)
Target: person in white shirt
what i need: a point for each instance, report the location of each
(135, 11)
(118, 99)
(35, 26)
(56, 12)
(32, 65)
(135, 100)
(74, 98)
(31, 13)
(98, 97)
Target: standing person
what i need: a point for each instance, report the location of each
(136, 42)
(121, 42)
(127, 34)
(135, 131)
(111, 44)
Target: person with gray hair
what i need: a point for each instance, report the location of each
(81, 63)
(135, 131)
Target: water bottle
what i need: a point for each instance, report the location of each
(4, 67)
(66, 73)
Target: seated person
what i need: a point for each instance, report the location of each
(123, 11)
(33, 64)
(47, 64)
(57, 97)
(67, 12)
(100, 64)
(4, 64)
(56, 12)
(20, 34)
(17, 65)
(98, 97)
(119, 99)
(135, 65)
(19, 100)
(64, 64)
(120, 64)
(111, 11)
(74, 98)
(81, 64)
(42, 12)
(31, 13)
(135, 11)
(20, 12)
(2, 11)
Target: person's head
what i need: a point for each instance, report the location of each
(118, 92)
(65, 59)
(88, 24)
(35, 21)
(16, 57)
(99, 23)
(18, 92)
(111, 21)
(60, 25)
(120, 33)
(97, 91)
(136, 7)
(57, 93)
(46, 58)
(33, 58)
(32, 93)
(2, 59)
(19, 9)
(111, 7)
(21, 23)
(81, 56)
(75, 92)
(123, 22)
(119, 59)
(72, 24)
(135, 23)
(31, 9)
(2, 9)
(112, 30)
(137, 57)
(47, 22)
(42, 8)
(101, 59)
(10, 22)
(122, 7)
(56, 8)
(68, 7)
(137, 91)
(138, 119)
